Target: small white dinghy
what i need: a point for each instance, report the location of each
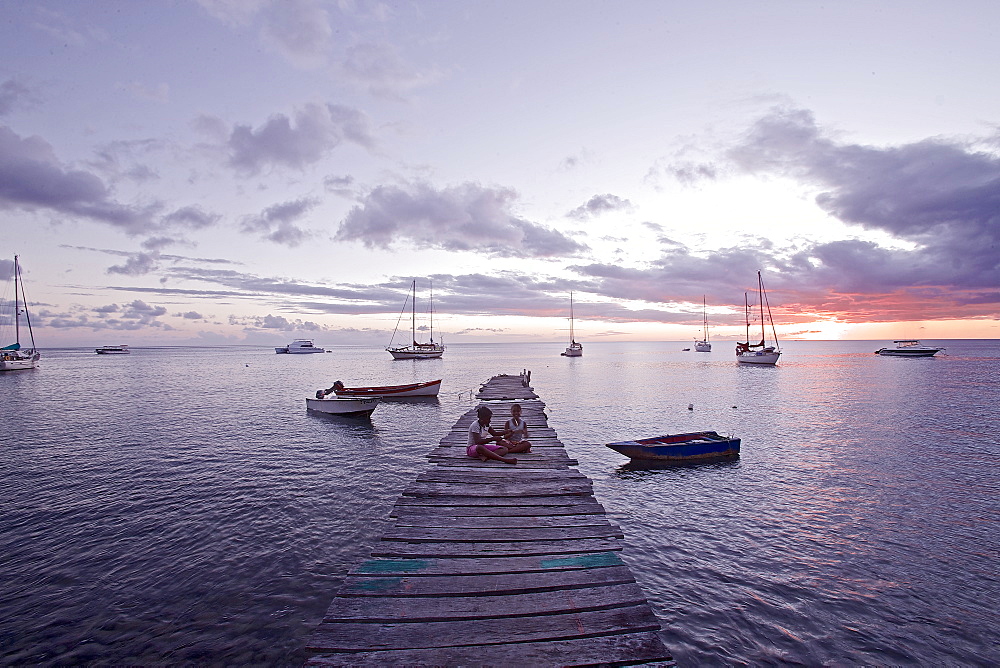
(349, 407)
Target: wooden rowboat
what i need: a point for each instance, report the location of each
(679, 447)
(426, 389)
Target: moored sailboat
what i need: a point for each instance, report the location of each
(703, 346)
(758, 353)
(416, 350)
(574, 349)
(14, 357)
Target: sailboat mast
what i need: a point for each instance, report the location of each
(746, 314)
(704, 318)
(572, 338)
(17, 307)
(760, 295)
(432, 311)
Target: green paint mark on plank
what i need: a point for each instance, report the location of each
(393, 565)
(375, 584)
(585, 561)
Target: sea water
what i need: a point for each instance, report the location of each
(180, 505)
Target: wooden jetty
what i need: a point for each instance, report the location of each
(493, 564)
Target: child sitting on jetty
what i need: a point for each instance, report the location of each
(515, 431)
(485, 442)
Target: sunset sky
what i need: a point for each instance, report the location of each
(252, 171)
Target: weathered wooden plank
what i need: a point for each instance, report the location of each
(441, 521)
(458, 566)
(492, 535)
(408, 550)
(523, 458)
(483, 583)
(469, 462)
(501, 489)
(497, 512)
(356, 636)
(439, 474)
(610, 650)
(492, 501)
(436, 609)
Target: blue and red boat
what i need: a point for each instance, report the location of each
(679, 447)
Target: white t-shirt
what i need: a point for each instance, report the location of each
(476, 428)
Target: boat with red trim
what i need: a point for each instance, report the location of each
(426, 389)
(679, 447)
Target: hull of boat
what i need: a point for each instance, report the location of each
(428, 389)
(18, 364)
(347, 407)
(892, 352)
(410, 354)
(679, 447)
(111, 351)
(574, 350)
(702, 347)
(758, 358)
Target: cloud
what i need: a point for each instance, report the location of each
(383, 72)
(599, 204)
(13, 94)
(134, 316)
(277, 323)
(299, 30)
(190, 217)
(234, 13)
(31, 177)
(340, 185)
(468, 217)
(282, 141)
(941, 195)
(276, 223)
(138, 264)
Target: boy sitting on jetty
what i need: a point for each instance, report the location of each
(485, 442)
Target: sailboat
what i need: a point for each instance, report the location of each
(575, 349)
(703, 346)
(416, 351)
(14, 357)
(758, 353)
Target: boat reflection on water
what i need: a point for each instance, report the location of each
(634, 467)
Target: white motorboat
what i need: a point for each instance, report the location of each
(299, 346)
(909, 348)
(349, 407)
(703, 346)
(112, 350)
(414, 350)
(14, 357)
(759, 353)
(574, 349)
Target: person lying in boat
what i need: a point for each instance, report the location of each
(484, 441)
(515, 431)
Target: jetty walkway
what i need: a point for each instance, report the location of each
(493, 564)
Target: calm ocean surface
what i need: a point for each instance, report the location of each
(179, 505)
